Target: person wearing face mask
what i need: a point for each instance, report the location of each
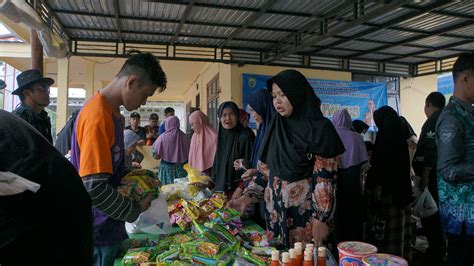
(299, 156)
(203, 143)
(233, 142)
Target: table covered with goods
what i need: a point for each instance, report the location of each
(189, 225)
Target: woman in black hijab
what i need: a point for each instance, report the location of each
(300, 149)
(233, 142)
(388, 184)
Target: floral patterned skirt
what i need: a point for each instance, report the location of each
(292, 206)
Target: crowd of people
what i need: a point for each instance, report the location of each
(304, 177)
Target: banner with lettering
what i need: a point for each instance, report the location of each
(359, 98)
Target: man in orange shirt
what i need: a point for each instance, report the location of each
(97, 151)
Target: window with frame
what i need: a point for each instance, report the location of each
(213, 100)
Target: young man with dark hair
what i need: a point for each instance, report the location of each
(169, 111)
(455, 139)
(135, 126)
(152, 129)
(97, 151)
(424, 165)
(33, 91)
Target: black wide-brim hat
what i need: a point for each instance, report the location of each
(30, 77)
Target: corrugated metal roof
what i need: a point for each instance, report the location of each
(430, 22)
(262, 35)
(146, 37)
(140, 8)
(83, 34)
(401, 50)
(390, 16)
(93, 6)
(440, 53)
(210, 23)
(358, 45)
(207, 30)
(214, 15)
(87, 21)
(282, 21)
(151, 26)
(436, 41)
(464, 7)
(306, 6)
(388, 35)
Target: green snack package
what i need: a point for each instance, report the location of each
(246, 254)
(168, 255)
(136, 256)
(263, 251)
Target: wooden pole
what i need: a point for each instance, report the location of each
(36, 51)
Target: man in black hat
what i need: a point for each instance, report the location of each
(135, 126)
(33, 91)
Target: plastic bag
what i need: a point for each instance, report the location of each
(155, 220)
(12, 184)
(425, 205)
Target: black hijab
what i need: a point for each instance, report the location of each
(261, 102)
(59, 211)
(291, 141)
(232, 144)
(390, 163)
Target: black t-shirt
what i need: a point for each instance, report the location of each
(141, 132)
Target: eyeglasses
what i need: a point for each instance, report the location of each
(43, 88)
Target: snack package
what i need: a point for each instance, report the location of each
(224, 215)
(140, 243)
(195, 176)
(252, 258)
(218, 200)
(201, 248)
(228, 236)
(263, 251)
(178, 239)
(163, 245)
(138, 184)
(172, 253)
(136, 256)
(175, 191)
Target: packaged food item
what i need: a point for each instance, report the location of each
(252, 258)
(138, 184)
(181, 238)
(354, 251)
(201, 248)
(140, 243)
(221, 230)
(172, 253)
(136, 256)
(218, 200)
(263, 251)
(380, 259)
(163, 245)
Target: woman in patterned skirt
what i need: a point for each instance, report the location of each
(172, 147)
(299, 157)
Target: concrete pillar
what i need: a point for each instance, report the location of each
(89, 85)
(36, 51)
(63, 94)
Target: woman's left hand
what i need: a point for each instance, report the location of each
(320, 231)
(237, 193)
